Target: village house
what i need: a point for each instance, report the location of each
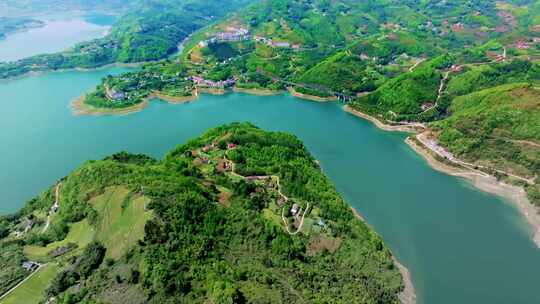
(281, 44)
(231, 146)
(426, 106)
(255, 178)
(55, 207)
(213, 84)
(458, 27)
(233, 34)
(28, 226)
(114, 95)
(456, 68)
(208, 147)
(30, 266)
(364, 56)
(295, 209)
(522, 44)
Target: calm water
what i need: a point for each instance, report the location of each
(57, 35)
(461, 245)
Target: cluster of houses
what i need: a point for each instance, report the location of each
(133, 82)
(276, 44)
(522, 44)
(200, 81)
(233, 34)
(230, 35)
(114, 95)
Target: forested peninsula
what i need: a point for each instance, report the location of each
(238, 215)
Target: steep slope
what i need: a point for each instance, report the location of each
(499, 128)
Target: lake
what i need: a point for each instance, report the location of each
(461, 245)
(58, 34)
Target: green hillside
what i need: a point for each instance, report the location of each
(238, 215)
(498, 127)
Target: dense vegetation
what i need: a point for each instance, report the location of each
(213, 235)
(499, 127)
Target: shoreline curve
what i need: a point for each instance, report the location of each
(408, 294)
(513, 194)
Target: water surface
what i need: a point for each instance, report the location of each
(56, 35)
(461, 245)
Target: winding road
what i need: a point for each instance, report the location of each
(233, 172)
(442, 152)
(53, 209)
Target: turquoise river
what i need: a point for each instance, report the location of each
(461, 245)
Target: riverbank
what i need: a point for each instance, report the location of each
(258, 92)
(79, 108)
(174, 99)
(487, 183)
(294, 93)
(77, 69)
(410, 128)
(408, 295)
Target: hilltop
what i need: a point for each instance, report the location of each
(238, 215)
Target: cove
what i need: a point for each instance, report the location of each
(56, 35)
(461, 245)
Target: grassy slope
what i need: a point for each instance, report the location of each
(80, 233)
(32, 290)
(120, 228)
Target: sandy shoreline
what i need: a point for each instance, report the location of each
(487, 183)
(413, 128)
(408, 295)
(310, 97)
(174, 99)
(80, 108)
(258, 92)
